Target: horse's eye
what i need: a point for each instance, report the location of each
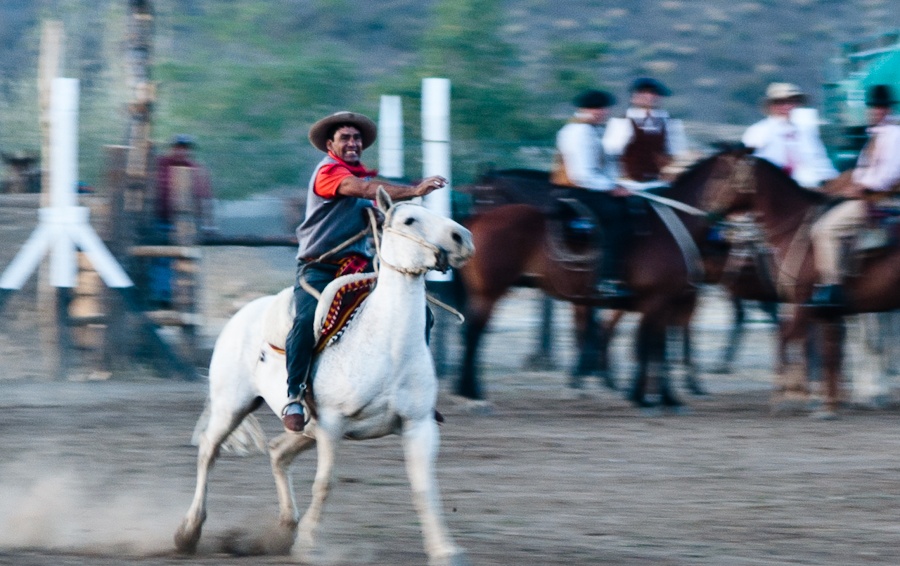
(409, 221)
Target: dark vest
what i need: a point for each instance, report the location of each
(646, 154)
(330, 222)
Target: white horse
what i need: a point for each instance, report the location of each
(873, 354)
(378, 379)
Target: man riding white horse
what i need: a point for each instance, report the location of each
(876, 176)
(340, 189)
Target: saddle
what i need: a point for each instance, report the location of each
(882, 228)
(338, 305)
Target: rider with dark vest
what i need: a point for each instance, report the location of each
(646, 140)
(581, 162)
(339, 191)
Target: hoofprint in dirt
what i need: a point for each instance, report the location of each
(99, 473)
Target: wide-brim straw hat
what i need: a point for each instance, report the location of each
(784, 91)
(321, 131)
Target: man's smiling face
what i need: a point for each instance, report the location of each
(346, 143)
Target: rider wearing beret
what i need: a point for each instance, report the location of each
(581, 162)
(877, 174)
(339, 191)
(646, 140)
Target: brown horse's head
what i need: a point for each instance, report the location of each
(731, 183)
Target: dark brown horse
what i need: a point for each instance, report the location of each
(785, 212)
(518, 239)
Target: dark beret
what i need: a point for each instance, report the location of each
(880, 96)
(594, 99)
(652, 85)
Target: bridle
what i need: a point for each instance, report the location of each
(439, 253)
(726, 189)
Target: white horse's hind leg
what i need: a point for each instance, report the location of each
(221, 423)
(866, 349)
(420, 446)
(282, 451)
(329, 431)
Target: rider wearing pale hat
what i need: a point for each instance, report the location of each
(877, 174)
(339, 191)
(790, 139)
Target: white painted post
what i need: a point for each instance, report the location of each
(436, 148)
(63, 225)
(64, 142)
(63, 179)
(436, 139)
(390, 137)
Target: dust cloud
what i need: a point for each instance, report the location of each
(43, 509)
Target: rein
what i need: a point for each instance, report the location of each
(373, 228)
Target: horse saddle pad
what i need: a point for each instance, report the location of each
(338, 304)
(883, 227)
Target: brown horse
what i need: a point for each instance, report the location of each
(785, 212)
(518, 239)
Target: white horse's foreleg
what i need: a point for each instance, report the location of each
(282, 451)
(420, 447)
(221, 424)
(329, 430)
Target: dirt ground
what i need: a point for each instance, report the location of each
(100, 472)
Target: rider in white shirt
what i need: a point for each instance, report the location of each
(877, 173)
(581, 163)
(789, 137)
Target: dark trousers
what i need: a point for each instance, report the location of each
(615, 229)
(301, 338)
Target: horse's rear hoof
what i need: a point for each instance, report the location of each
(186, 540)
(458, 558)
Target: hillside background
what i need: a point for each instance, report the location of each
(248, 77)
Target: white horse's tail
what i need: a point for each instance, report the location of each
(248, 438)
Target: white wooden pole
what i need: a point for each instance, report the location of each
(64, 142)
(63, 226)
(436, 139)
(390, 137)
(436, 148)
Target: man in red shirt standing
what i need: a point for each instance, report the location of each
(180, 155)
(339, 191)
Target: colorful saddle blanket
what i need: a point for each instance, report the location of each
(344, 304)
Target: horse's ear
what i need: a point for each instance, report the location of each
(383, 199)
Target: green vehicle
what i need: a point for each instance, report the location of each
(859, 65)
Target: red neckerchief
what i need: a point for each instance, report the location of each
(358, 170)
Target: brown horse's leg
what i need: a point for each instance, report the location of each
(478, 314)
(832, 357)
(651, 357)
(591, 344)
(683, 321)
(791, 383)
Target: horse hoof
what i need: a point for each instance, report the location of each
(651, 411)
(186, 540)
(609, 382)
(678, 410)
(824, 415)
(458, 558)
(694, 388)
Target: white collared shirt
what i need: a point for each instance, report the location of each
(581, 149)
(798, 150)
(878, 168)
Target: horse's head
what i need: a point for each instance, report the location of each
(416, 240)
(731, 183)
